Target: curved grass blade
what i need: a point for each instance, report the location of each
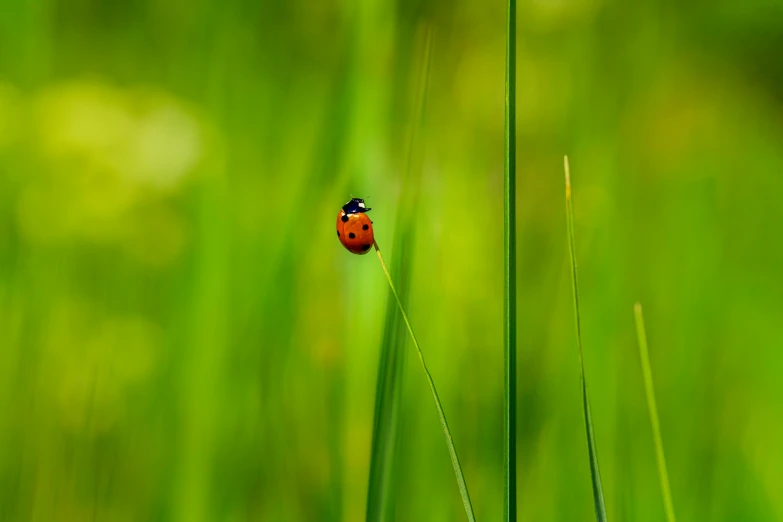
(595, 473)
(653, 409)
(510, 275)
(463, 487)
(386, 425)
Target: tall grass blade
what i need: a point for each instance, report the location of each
(463, 487)
(510, 274)
(653, 408)
(595, 473)
(386, 425)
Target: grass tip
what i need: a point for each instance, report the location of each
(649, 388)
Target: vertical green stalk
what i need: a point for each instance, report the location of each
(653, 408)
(386, 425)
(510, 274)
(595, 473)
(463, 487)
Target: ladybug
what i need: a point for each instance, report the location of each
(354, 228)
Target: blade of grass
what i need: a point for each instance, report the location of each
(595, 473)
(653, 408)
(463, 487)
(386, 425)
(510, 275)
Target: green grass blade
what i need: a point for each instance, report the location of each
(386, 425)
(653, 408)
(510, 275)
(463, 487)
(595, 473)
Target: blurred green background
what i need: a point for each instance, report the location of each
(183, 338)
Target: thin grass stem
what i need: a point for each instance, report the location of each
(653, 409)
(463, 488)
(510, 275)
(595, 473)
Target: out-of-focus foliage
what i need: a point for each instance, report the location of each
(182, 337)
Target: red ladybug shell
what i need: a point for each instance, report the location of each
(354, 229)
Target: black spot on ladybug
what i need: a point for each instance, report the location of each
(338, 233)
(365, 226)
(366, 247)
(344, 218)
(352, 235)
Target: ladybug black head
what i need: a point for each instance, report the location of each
(355, 206)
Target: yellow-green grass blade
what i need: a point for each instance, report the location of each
(510, 275)
(463, 487)
(649, 389)
(386, 425)
(595, 473)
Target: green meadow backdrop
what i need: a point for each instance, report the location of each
(183, 338)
